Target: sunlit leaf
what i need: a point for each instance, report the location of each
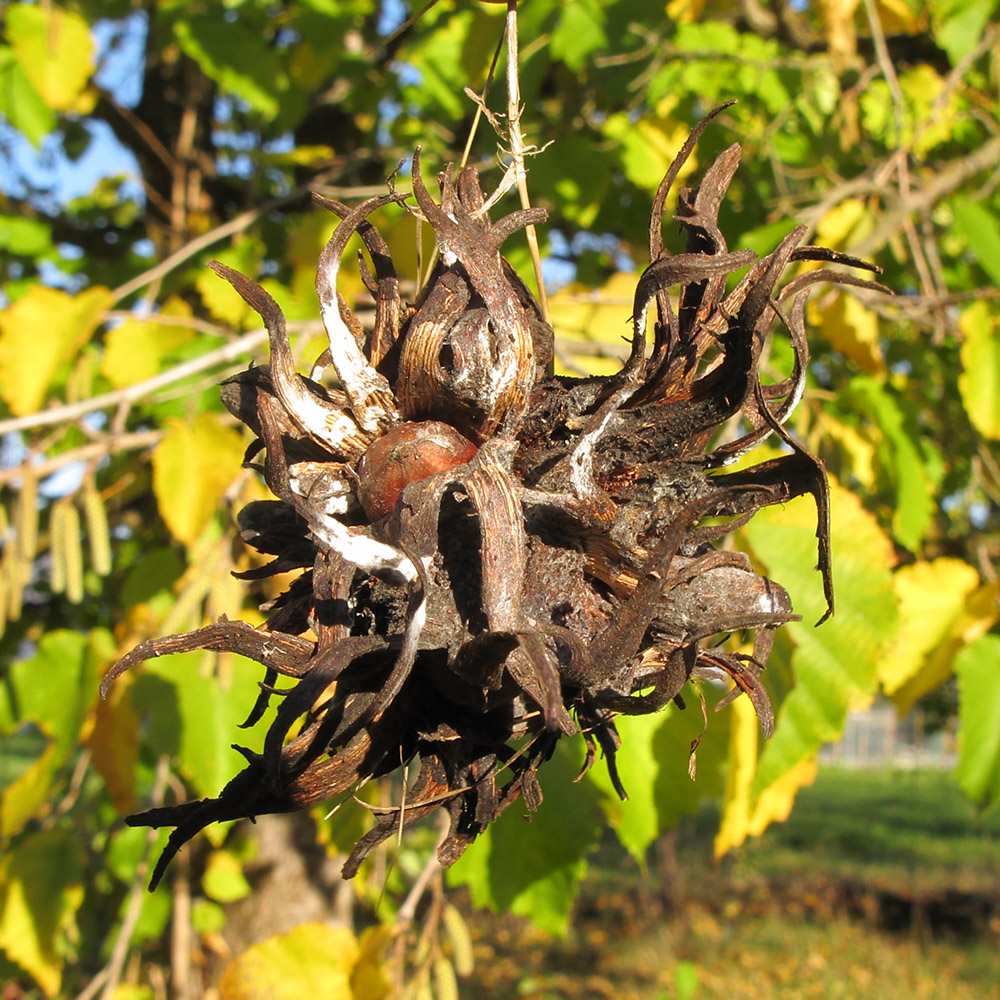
(981, 229)
(24, 236)
(20, 104)
(653, 766)
(942, 607)
(847, 326)
(979, 382)
(960, 24)
(236, 56)
(25, 797)
(54, 48)
(136, 350)
(978, 770)
(114, 745)
(900, 458)
(223, 879)
(313, 960)
(193, 715)
(39, 334)
(40, 891)
(193, 466)
(835, 665)
(579, 33)
(533, 868)
(649, 145)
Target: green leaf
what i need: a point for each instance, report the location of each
(580, 32)
(532, 868)
(193, 466)
(30, 237)
(40, 333)
(194, 716)
(55, 50)
(978, 770)
(20, 103)
(313, 960)
(979, 382)
(55, 687)
(40, 892)
(19, 752)
(981, 229)
(224, 880)
(835, 664)
(959, 25)
(648, 147)
(914, 507)
(236, 56)
(653, 766)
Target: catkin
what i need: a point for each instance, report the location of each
(57, 548)
(422, 991)
(98, 533)
(15, 575)
(74, 553)
(445, 983)
(457, 931)
(26, 517)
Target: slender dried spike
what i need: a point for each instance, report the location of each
(16, 573)
(26, 517)
(457, 931)
(445, 981)
(98, 533)
(187, 608)
(5, 555)
(72, 543)
(57, 548)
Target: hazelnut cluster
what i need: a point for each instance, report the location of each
(493, 558)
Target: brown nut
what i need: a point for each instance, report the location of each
(406, 454)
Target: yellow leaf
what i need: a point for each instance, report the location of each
(23, 798)
(734, 826)
(114, 744)
(369, 980)
(598, 316)
(837, 225)
(979, 382)
(858, 450)
(135, 350)
(775, 802)
(901, 18)
(847, 326)
(193, 466)
(39, 333)
(312, 960)
(942, 607)
(40, 892)
(54, 49)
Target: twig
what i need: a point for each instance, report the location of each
(110, 976)
(226, 354)
(941, 184)
(94, 450)
(517, 151)
(195, 246)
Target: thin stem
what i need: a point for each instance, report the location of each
(517, 151)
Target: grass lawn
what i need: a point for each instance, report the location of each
(801, 912)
